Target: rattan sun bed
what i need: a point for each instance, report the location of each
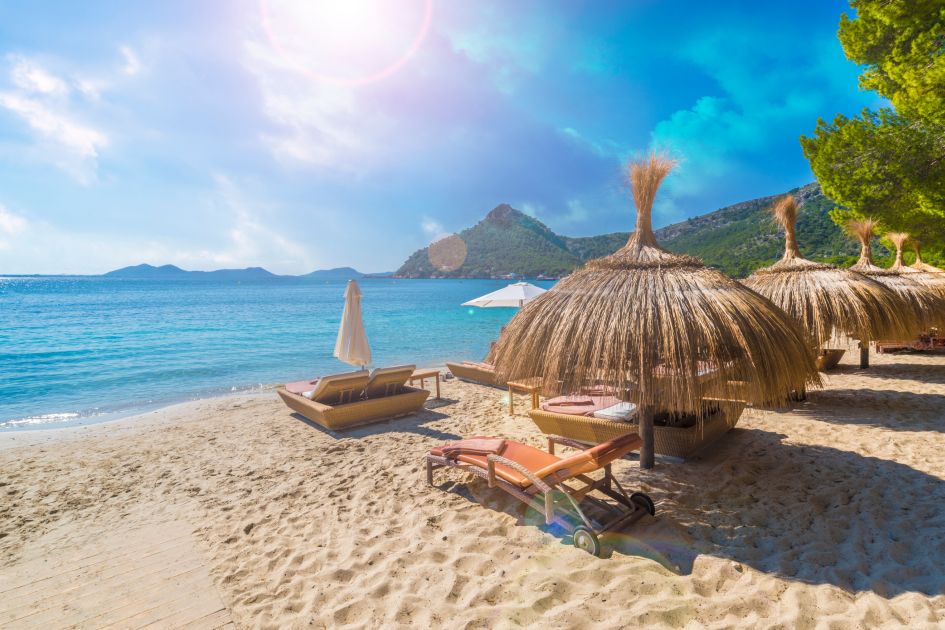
(481, 373)
(539, 480)
(675, 441)
(348, 400)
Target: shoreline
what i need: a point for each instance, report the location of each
(31, 435)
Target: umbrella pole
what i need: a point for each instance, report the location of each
(647, 454)
(864, 355)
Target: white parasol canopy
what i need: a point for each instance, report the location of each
(352, 346)
(514, 295)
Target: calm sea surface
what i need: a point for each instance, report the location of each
(79, 350)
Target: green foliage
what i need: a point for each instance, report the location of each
(890, 164)
(881, 165)
(902, 45)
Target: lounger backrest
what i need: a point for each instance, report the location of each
(340, 388)
(593, 458)
(388, 381)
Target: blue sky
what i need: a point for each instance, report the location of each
(304, 135)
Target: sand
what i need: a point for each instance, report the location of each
(827, 515)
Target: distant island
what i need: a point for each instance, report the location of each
(173, 272)
(736, 239)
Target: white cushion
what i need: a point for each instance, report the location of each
(621, 412)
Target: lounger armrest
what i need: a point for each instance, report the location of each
(557, 439)
(498, 459)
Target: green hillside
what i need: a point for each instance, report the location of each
(736, 239)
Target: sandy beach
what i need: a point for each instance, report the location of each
(827, 515)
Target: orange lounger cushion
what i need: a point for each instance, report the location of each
(531, 458)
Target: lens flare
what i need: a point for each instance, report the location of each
(346, 42)
(447, 254)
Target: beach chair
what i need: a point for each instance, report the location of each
(388, 381)
(482, 373)
(540, 480)
(339, 401)
(594, 426)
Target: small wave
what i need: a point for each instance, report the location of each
(45, 418)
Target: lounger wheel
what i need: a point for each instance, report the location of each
(586, 540)
(641, 500)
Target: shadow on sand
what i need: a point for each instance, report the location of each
(414, 423)
(814, 514)
(870, 407)
(927, 372)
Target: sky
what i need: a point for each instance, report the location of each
(309, 134)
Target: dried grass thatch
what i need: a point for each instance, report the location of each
(829, 303)
(919, 264)
(934, 282)
(648, 322)
(926, 304)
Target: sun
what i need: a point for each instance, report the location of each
(346, 42)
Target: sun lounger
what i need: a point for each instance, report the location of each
(541, 479)
(674, 441)
(482, 373)
(342, 401)
(388, 381)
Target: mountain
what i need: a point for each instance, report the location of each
(737, 239)
(172, 272)
(338, 273)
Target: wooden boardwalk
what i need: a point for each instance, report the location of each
(152, 577)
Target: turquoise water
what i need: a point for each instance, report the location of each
(79, 350)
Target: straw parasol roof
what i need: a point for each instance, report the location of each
(925, 303)
(934, 282)
(918, 264)
(827, 302)
(642, 313)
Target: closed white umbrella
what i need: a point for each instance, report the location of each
(518, 294)
(352, 346)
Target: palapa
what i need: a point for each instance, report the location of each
(647, 322)
(830, 304)
(925, 303)
(934, 282)
(919, 263)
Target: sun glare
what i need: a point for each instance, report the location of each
(346, 42)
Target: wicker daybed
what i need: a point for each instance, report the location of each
(829, 358)
(482, 373)
(343, 401)
(675, 441)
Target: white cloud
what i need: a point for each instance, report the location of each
(242, 236)
(132, 62)
(252, 241)
(317, 124)
(433, 229)
(41, 100)
(10, 225)
(33, 78)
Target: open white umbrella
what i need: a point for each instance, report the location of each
(352, 345)
(514, 295)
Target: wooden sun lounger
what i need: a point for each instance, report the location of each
(343, 401)
(681, 442)
(475, 373)
(528, 474)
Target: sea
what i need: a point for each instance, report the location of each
(79, 350)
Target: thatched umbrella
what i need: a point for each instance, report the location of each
(641, 314)
(934, 282)
(919, 264)
(921, 302)
(828, 302)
